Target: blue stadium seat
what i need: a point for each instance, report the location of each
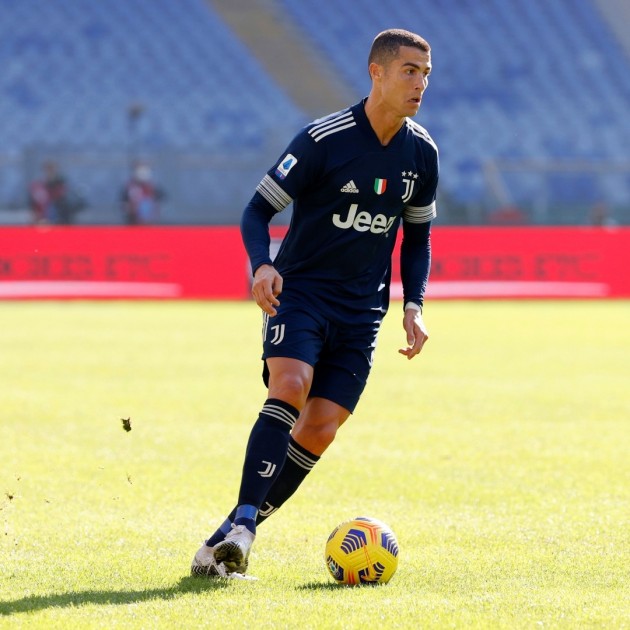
(79, 74)
(512, 79)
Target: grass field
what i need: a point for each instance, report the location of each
(500, 457)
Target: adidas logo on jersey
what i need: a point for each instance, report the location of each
(350, 187)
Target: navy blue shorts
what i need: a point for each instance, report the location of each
(341, 355)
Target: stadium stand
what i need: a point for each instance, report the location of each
(286, 55)
(528, 103)
(170, 56)
(71, 69)
(517, 80)
(617, 15)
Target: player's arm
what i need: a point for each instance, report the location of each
(298, 168)
(267, 283)
(415, 263)
(415, 253)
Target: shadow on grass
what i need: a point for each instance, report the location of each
(79, 598)
(320, 586)
(333, 586)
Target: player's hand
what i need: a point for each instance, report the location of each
(266, 288)
(416, 333)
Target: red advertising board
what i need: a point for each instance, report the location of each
(103, 262)
(534, 262)
(210, 263)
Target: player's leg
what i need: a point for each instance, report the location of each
(313, 433)
(289, 383)
(292, 341)
(339, 380)
(318, 424)
(335, 392)
(227, 549)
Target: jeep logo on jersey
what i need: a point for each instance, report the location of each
(363, 221)
(286, 164)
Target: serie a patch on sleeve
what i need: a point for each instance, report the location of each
(285, 165)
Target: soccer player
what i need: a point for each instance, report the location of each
(352, 177)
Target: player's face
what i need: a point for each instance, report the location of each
(404, 80)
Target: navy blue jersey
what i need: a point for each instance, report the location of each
(349, 196)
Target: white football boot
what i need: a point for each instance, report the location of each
(204, 564)
(233, 552)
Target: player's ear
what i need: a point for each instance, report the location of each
(375, 70)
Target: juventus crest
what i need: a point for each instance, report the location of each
(277, 331)
(409, 179)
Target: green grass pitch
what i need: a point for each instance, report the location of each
(500, 457)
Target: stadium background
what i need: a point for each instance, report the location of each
(528, 104)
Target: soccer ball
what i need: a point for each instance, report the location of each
(361, 551)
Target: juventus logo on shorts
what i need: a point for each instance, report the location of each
(277, 331)
(278, 334)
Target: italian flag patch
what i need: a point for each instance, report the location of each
(380, 185)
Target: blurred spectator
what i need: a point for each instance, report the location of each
(141, 197)
(51, 200)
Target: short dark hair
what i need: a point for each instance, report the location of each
(386, 44)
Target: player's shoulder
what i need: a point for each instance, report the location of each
(420, 135)
(332, 125)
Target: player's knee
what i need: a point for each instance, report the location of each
(290, 387)
(316, 436)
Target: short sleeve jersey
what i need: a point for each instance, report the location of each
(349, 194)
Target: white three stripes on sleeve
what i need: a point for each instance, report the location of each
(324, 129)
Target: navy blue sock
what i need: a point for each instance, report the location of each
(298, 464)
(246, 515)
(222, 532)
(264, 458)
